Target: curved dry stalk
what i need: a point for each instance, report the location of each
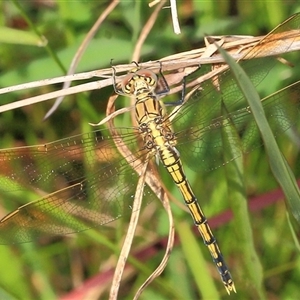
(80, 52)
(129, 236)
(72, 90)
(146, 30)
(237, 46)
(113, 115)
(104, 73)
(168, 250)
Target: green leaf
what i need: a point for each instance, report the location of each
(252, 268)
(196, 262)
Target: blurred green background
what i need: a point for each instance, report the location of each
(53, 268)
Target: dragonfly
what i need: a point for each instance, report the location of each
(159, 140)
(101, 183)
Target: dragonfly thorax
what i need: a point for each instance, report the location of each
(157, 134)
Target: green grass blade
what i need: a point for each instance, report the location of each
(197, 263)
(248, 258)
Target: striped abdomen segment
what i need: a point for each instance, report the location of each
(171, 160)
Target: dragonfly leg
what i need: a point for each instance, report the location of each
(117, 91)
(166, 89)
(183, 91)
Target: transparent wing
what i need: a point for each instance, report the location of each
(201, 145)
(200, 121)
(94, 184)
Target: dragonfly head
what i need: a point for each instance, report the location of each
(139, 81)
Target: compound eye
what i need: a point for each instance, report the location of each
(126, 83)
